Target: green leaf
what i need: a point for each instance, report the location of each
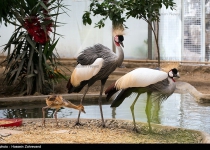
(26, 64)
(43, 5)
(31, 42)
(51, 48)
(19, 69)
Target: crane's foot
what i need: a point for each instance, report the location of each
(102, 125)
(57, 126)
(150, 129)
(136, 130)
(43, 123)
(77, 124)
(142, 132)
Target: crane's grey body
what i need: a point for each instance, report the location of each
(160, 91)
(111, 60)
(163, 89)
(128, 84)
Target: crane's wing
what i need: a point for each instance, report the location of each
(121, 95)
(90, 54)
(85, 72)
(140, 77)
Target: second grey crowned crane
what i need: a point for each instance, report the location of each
(157, 84)
(95, 63)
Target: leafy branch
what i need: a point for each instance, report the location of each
(119, 11)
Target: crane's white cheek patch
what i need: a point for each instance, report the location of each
(85, 72)
(170, 74)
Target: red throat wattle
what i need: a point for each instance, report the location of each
(118, 44)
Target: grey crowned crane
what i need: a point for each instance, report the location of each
(95, 63)
(56, 102)
(157, 84)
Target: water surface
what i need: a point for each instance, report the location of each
(179, 110)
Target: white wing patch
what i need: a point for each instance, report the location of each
(140, 77)
(85, 72)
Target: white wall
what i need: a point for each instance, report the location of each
(136, 39)
(77, 36)
(5, 34)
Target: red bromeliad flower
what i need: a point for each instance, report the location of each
(33, 26)
(35, 30)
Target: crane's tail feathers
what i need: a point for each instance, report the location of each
(122, 95)
(110, 91)
(118, 100)
(77, 89)
(69, 85)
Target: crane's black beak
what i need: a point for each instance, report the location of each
(121, 43)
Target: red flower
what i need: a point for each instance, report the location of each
(33, 26)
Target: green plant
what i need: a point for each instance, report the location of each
(32, 66)
(118, 11)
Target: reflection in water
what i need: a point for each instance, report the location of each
(155, 112)
(113, 112)
(27, 113)
(180, 110)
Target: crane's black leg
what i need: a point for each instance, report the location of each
(148, 110)
(77, 122)
(132, 111)
(43, 114)
(100, 101)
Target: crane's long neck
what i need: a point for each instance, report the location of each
(172, 85)
(120, 57)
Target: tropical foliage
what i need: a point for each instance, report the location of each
(31, 63)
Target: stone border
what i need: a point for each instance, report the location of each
(7, 101)
(181, 87)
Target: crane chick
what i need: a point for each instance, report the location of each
(56, 102)
(157, 83)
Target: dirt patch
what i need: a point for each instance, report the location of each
(117, 131)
